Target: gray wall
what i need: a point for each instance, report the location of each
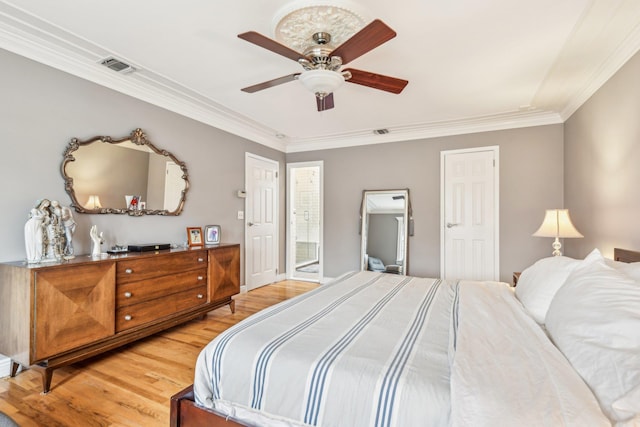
(531, 174)
(43, 108)
(602, 166)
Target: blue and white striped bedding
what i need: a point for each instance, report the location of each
(369, 349)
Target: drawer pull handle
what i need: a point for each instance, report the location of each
(127, 294)
(200, 277)
(128, 317)
(128, 271)
(200, 259)
(200, 296)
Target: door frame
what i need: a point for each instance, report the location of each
(247, 200)
(496, 208)
(290, 262)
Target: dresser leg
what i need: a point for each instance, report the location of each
(47, 375)
(14, 368)
(232, 306)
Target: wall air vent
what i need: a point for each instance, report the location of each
(117, 65)
(381, 131)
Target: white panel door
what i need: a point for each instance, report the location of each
(261, 221)
(470, 214)
(173, 186)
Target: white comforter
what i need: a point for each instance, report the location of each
(373, 349)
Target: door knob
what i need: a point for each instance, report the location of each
(250, 224)
(449, 225)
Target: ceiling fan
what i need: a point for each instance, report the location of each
(322, 63)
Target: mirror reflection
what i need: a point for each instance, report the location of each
(129, 175)
(385, 226)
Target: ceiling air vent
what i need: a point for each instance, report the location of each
(381, 131)
(117, 65)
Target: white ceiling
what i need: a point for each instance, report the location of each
(382, 202)
(472, 65)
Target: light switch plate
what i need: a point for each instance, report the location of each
(240, 214)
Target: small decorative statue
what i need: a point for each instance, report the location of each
(34, 235)
(46, 236)
(67, 224)
(96, 241)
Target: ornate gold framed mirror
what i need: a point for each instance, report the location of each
(124, 176)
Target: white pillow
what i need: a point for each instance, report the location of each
(594, 319)
(631, 269)
(539, 283)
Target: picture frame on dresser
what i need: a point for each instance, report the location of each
(212, 235)
(194, 236)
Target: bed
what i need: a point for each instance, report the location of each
(376, 349)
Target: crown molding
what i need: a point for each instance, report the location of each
(35, 39)
(609, 68)
(509, 120)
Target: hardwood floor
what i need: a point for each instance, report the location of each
(132, 385)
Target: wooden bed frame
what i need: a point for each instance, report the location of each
(185, 412)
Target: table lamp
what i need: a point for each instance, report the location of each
(557, 223)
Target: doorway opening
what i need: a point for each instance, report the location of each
(304, 219)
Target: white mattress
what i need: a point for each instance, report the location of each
(374, 349)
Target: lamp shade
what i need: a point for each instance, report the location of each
(94, 202)
(557, 223)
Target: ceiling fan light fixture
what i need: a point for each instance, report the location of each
(321, 82)
(322, 63)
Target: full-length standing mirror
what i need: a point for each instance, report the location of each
(385, 217)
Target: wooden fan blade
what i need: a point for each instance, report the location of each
(270, 83)
(272, 45)
(376, 81)
(370, 37)
(325, 103)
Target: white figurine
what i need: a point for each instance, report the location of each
(33, 236)
(96, 241)
(48, 232)
(36, 233)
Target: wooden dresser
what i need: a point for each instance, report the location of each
(53, 315)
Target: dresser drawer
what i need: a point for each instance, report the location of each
(143, 290)
(156, 309)
(159, 265)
